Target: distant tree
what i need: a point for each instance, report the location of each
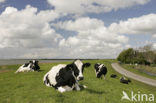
(150, 57)
(144, 55)
(146, 48)
(126, 56)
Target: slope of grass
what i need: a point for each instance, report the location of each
(139, 69)
(29, 88)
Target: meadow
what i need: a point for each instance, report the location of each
(28, 87)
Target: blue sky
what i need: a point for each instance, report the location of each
(110, 25)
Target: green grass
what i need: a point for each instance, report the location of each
(139, 70)
(29, 88)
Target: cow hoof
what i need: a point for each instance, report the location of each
(78, 88)
(84, 86)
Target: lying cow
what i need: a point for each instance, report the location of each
(113, 76)
(100, 69)
(65, 77)
(31, 66)
(124, 80)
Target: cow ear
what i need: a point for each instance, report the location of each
(30, 61)
(86, 64)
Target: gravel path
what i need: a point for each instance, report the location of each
(123, 71)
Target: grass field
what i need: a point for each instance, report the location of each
(139, 69)
(29, 88)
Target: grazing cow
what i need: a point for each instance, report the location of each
(113, 76)
(65, 77)
(124, 80)
(100, 69)
(31, 66)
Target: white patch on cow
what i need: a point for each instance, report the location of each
(33, 61)
(79, 65)
(53, 73)
(65, 89)
(61, 89)
(100, 67)
(24, 69)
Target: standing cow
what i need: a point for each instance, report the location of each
(31, 66)
(65, 77)
(100, 69)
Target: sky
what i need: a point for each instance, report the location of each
(95, 29)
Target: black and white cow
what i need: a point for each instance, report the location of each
(113, 75)
(100, 69)
(65, 77)
(124, 80)
(31, 66)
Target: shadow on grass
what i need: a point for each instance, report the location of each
(41, 70)
(94, 91)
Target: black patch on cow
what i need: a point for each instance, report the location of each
(26, 64)
(65, 76)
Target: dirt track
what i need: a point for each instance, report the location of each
(123, 71)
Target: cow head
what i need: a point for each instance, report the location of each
(98, 67)
(34, 65)
(78, 67)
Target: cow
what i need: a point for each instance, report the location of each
(65, 77)
(124, 80)
(113, 75)
(100, 69)
(31, 66)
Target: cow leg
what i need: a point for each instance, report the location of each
(104, 77)
(77, 86)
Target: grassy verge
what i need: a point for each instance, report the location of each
(141, 70)
(29, 88)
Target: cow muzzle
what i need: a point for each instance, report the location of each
(80, 78)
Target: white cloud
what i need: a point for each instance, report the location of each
(27, 33)
(145, 24)
(154, 46)
(93, 39)
(27, 28)
(2, 1)
(92, 6)
(81, 24)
